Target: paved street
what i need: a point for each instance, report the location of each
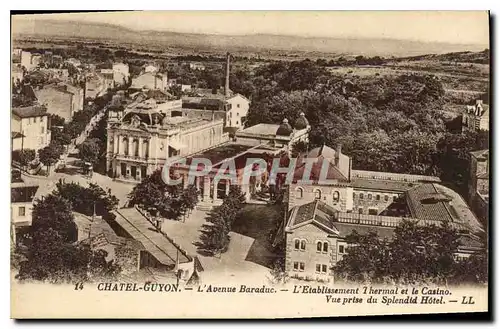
(233, 264)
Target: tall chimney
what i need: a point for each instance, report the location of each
(337, 154)
(226, 86)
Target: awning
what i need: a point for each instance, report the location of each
(176, 145)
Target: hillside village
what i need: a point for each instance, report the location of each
(404, 152)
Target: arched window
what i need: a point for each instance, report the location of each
(319, 246)
(297, 244)
(303, 245)
(378, 197)
(386, 198)
(300, 193)
(361, 196)
(317, 194)
(369, 196)
(125, 145)
(135, 147)
(336, 196)
(325, 246)
(145, 149)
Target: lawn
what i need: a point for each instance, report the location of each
(256, 222)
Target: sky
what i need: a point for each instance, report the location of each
(463, 27)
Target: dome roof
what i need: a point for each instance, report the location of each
(285, 129)
(301, 122)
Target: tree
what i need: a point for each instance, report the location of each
(83, 199)
(51, 259)
(171, 201)
(24, 156)
(366, 259)
(215, 234)
(90, 150)
(56, 120)
(415, 254)
(50, 154)
(54, 211)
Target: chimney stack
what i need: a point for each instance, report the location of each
(228, 63)
(337, 154)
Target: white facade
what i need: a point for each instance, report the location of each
(238, 111)
(33, 129)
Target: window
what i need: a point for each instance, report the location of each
(319, 246)
(322, 246)
(295, 266)
(336, 196)
(303, 245)
(369, 196)
(34, 120)
(341, 249)
(360, 210)
(238, 113)
(386, 198)
(22, 211)
(372, 211)
(300, 193)
(325, 246)
(300, 244)
(321, 268)
(378, 197)
(297, 244)
(230, 114)
(302, 266)
(237, 123)
(317, 194)
(238, 105)
(353, 195)
(361, 196)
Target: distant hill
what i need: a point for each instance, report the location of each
(481, 57)
(256, 43)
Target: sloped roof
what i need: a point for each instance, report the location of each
(132, 221)
(29, 111)
(425, 202)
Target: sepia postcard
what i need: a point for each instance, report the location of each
(279, 164)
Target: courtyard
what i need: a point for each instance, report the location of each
(249, 251)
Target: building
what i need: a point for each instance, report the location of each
(62, 99)
(322, 211)
(235, 105)
(144, 135)
(21, 205)
(95, 85)
(476, 117)
(108, 77)
(30, 61)
(159, 253)
(17, 74)
(196, 66)
(120, 74)
(74, 62)
(150, 80)
(479, 183)
(122, 250)
(150, 68)
(315, 234)
(30, 128)
(278, 135)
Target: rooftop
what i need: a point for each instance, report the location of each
(165, 252)
(222, 152)
(382, 185)
(30, 111)
(261, 129)
(341, 224)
